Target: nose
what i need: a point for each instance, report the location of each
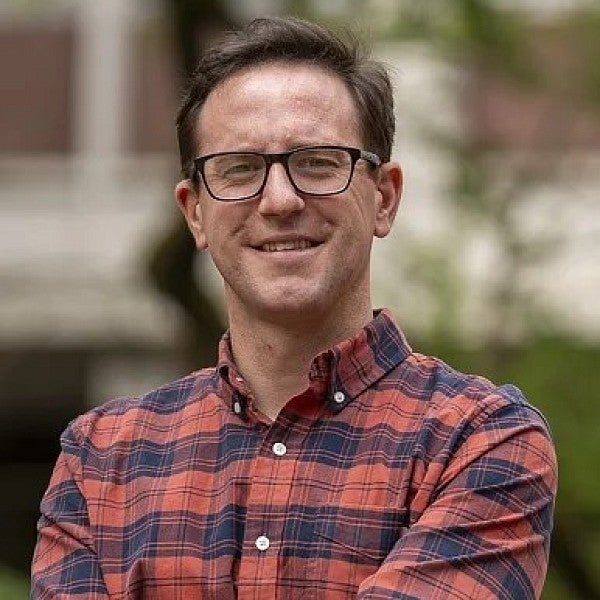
(279, 198)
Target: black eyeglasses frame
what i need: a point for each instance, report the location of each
(272, 158)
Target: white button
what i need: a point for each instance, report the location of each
(262, 543)
(339, 397)
(237, 407)
(279, 449)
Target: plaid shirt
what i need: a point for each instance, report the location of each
(391, 476)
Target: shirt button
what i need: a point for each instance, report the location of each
(279, 449)
(262, 543)
(237, 407)
(339, 397)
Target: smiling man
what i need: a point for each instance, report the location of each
(321, 457)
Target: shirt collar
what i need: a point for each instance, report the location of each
(348, 368)
(358, 362)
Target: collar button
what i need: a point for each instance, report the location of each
(339, 397)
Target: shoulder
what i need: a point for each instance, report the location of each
(472, 433)
(143, 417)
(433, 381)
(456, 406)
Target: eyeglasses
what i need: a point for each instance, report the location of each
(314, 170)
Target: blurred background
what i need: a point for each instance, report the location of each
(493, 264)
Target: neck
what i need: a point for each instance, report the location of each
(274, 355)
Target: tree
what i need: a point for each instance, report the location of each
(173, 261)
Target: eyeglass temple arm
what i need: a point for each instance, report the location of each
(370, 157)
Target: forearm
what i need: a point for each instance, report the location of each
(486, 533)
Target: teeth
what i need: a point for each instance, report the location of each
(283, 246)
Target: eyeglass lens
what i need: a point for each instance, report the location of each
(319, 171)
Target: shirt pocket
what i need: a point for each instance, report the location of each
(353, 541)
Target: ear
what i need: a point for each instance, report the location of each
(188, 201)
(389, 186)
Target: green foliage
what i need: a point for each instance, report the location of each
(584, 29)
(13, 586)
(429, 265)
(492, 36)
(556, 588)
(592, 59)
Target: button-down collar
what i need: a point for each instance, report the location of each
(347, 369)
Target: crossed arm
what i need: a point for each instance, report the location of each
(482, 530)
(484, 533)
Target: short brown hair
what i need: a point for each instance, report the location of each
(290, 39)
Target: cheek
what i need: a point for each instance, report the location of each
(215, 227)
(227, 266)
(362, 213)
(222, 244)
(218, 250)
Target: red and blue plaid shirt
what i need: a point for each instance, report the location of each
(391, 476)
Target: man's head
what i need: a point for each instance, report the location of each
(285, 181)
(291, 40)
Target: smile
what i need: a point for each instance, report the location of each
(287, 246)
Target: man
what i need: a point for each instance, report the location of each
(322, 457)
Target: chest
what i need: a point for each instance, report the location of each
(253, 512)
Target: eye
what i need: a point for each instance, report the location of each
(240, 169)
(316, 161)
(236, 167)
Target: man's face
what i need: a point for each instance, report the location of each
(286, 255)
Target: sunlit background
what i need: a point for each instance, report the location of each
(493, 263)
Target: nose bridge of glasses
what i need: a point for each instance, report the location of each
(280, 158)
(279, 194)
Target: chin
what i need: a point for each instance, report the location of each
(292, 306)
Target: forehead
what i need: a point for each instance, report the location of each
(278, 105)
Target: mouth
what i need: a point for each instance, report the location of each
(287, 246)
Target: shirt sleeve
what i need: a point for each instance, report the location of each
(65, 564)
(484, 531)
